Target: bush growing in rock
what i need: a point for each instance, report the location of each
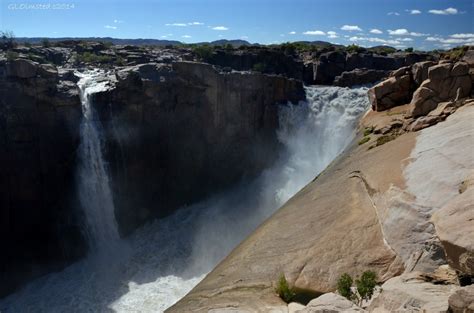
(344, 285)
(364, 287)
(283, 289)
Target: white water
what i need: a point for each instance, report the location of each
(94, 189)
(168, 257)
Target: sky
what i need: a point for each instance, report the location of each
(422, 24)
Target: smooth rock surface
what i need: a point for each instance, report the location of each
(454, 225)
(462, 301)
(331, 302)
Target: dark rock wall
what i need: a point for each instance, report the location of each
(177, 133)
(39, 220)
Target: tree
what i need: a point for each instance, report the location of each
(366, 285)
(410, 49)
(8, 39)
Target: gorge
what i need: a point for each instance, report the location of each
(189, 184)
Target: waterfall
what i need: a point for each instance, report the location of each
(94, 186)
(168, 257)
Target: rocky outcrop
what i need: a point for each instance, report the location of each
(331, 302)
(270, 61)
(335, 63)
(446, 81)
(392, 92)
(412, 293)
(359, 77)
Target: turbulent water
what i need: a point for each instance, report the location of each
(165, 259)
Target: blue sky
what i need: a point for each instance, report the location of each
(422, 24)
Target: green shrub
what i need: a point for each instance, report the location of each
(364, 140)
(344, 285)
(410, 49)
(203, 52)
(258, 67)
(366, 285)
(368, 130)
(384, 139)
(354, 48)
(283, 289)
(12, 55)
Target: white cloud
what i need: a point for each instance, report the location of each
(177, 24)
(398, 32)
(376, 40)
(314, 33)
(404, 32)
(244, 37)
(469, 35)
(404, 39)
(448, 11)
(393, 13)
(413, 12)
(351, 28)
(220, 28)
(332, 34)
(195, 23)
(292, 32)
(110, 27)
(466, 40)
(186, 36)
(418, 34)
(376, 31)
(118, 21)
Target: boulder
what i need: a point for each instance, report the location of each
(420, 71)
(412, 293)
(390, 93)
(331, 302)
(294, 307)
(446, 82)
(22, 68)
(462, 301)
(454, 225)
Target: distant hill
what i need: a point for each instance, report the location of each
(318, 43)
(115, 41)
